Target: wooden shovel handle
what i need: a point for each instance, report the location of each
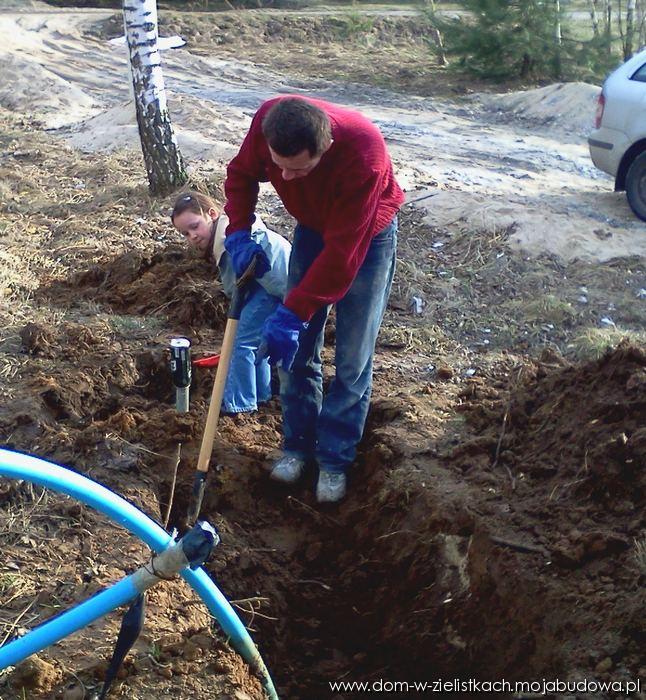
(213, 415)
(235, 308)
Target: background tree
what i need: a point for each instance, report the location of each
(503, 39)
(594, 17)
(535, 40)
(618, 33)
(628, 36)
(435, 39)
(163, 160)
(558, 39)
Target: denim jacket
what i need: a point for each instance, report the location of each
(277, 249)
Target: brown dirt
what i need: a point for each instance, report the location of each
(495, 523)
(171, 281)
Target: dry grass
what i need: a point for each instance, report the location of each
(639, 555)
(593, 343)
(19, 278)
(485, 296)
(423, 337)
(544, 309)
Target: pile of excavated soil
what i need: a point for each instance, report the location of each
(569, 106)
(559, 450)
(182, 286)
(576, 432)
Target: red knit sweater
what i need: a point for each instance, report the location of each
(348, 197)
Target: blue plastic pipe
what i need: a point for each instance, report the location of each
(70, 621)
(38, 471)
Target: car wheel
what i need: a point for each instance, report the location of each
(636, 185)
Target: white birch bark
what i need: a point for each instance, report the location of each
(162, 157)
(594, 17)
(558, 37)
(630, 29)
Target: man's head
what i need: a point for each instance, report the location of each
(298, 134)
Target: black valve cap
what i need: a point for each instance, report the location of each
(180, 361)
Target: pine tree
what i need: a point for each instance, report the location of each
(503, 39)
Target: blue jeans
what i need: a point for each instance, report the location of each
(330, 427)
(248, 383)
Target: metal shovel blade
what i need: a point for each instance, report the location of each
(197, 496)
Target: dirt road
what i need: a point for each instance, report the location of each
(494, 162)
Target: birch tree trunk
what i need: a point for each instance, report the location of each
(630, 29)
(439, 47)
(558, 37)
(162, 157)
(594, 17)
(608, 26)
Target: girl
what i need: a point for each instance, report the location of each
(197, 217)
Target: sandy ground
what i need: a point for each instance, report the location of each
(493, 162)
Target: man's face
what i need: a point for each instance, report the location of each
(196, 228)
(296, 166)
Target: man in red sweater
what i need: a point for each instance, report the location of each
(332, 171)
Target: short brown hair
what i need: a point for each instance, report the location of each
(293, 125)
(193, 201)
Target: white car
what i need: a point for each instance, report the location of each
(618, 141)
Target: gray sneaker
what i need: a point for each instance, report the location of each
(331, 487)
(287, 469)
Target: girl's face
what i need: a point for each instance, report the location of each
(196, 228)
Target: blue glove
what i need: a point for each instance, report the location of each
(242, 249)
(280, 337)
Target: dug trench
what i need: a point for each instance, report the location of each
(494, 526)
(420, 576)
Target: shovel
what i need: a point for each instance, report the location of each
(233, 317)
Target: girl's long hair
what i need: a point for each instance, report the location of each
(193, 201)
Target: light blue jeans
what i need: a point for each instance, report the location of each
(249, 383)
(329, 428)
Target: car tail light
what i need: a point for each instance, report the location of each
(601, 103)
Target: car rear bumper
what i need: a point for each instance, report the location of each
(607, 147)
